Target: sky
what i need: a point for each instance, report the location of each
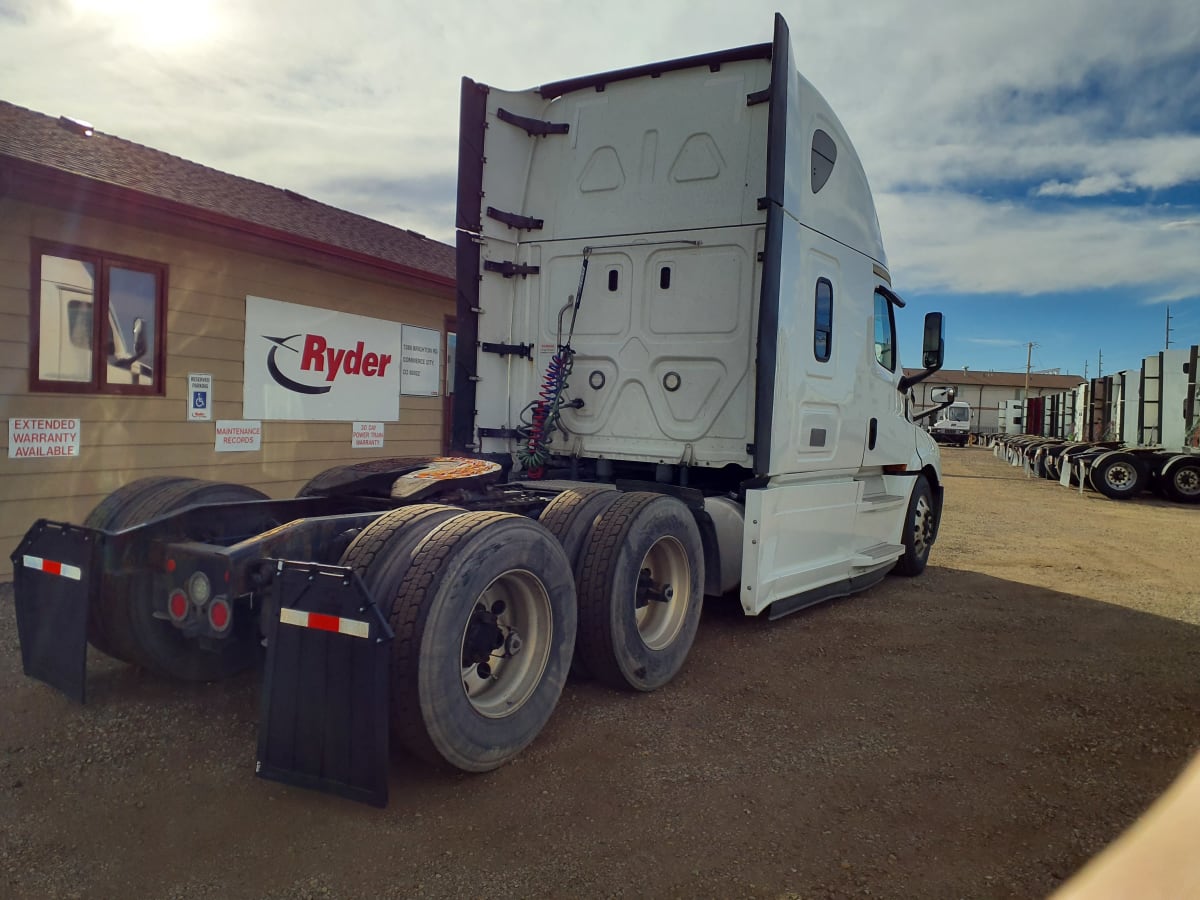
(1035, 164)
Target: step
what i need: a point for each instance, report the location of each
(876, 502)
(873, 556)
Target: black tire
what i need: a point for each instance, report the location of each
(626, 639)
(112, 514)
(447, 611)
(158, 645)
(920, 528)
(382, 552)
(571, 517)
(1180, 479)
(1119, 476)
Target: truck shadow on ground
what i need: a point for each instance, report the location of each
(950, 735)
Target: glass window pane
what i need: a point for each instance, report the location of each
(823, 321)
(884, 339)
(66, 319)
(132, 298)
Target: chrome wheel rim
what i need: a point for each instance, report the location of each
(663, 593)
(1120, 476)
(506, 644)
(922, 526)
(1187, 481)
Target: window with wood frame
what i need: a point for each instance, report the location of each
(97, 322)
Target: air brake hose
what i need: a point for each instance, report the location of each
(547, 408)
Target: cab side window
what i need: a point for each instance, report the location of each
(823, 321)
(885, 333)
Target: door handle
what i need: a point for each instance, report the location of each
(872, 434)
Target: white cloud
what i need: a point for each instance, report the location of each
(939, 96)
(945, 242)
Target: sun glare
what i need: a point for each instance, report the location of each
(163, 24)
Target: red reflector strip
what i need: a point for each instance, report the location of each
(50, 567)
(321, 622)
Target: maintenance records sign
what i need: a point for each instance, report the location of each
(36, 438)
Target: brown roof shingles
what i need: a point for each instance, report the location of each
(36, 138)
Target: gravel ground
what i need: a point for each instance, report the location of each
(979, 731)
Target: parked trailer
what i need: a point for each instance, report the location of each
(679, 377)
(1157, 406)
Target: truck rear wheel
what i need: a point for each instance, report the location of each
(112, 514)
(139, 614)
(571, 517)
(1118, 476)
(485, 624)
(1180, 479)
(640, 592)
(382, 552)
(920, 525)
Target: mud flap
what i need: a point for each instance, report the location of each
(53, 570)
(325, 703)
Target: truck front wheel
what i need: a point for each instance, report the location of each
(920, 525)
(640, 592)
(485, 624)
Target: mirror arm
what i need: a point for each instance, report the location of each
(909, 380)
(950, 396)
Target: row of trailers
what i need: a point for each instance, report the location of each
(1120, 435)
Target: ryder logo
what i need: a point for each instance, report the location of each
(318, 357)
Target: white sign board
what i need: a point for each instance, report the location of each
(199, 397)
(235, 435)
(35, 438)
(306, 363)
(420, 362)
(366, 435)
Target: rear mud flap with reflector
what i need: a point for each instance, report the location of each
(325, 695)
(52, 581)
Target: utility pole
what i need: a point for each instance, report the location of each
(1085, 365)
(1028, 365)
(1100, 365)
(1168, 347)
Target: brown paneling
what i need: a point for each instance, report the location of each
(124, 438)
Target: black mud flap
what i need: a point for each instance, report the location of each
(325, 695)
(54, 569)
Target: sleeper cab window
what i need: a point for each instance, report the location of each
(98, 322)
(824, 155)
(823, 321)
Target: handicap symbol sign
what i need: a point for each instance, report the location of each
(199, 399)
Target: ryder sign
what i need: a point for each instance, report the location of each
(309, 363)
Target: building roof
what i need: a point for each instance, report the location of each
(221, 198)
(960, 377)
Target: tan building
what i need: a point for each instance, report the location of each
(124, 271)
(985, 391)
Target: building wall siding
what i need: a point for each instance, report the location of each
(123, 438)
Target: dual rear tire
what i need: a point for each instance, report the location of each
(487, 616)
(128, 621)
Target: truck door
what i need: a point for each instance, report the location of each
(890, 436)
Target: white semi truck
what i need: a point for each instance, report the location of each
(952, 424)
(678, 376)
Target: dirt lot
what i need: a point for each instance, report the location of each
(976, 732)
